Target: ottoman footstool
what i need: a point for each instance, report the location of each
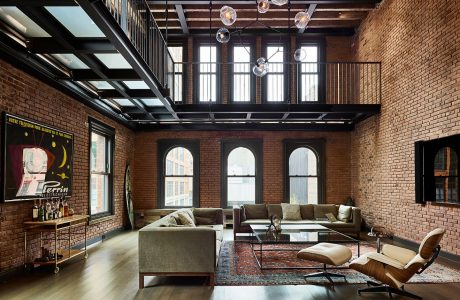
(327, 254)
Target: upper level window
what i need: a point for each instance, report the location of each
(446, 175)
(275, 82)
(242, 79)
(304, 174)
(101, 169)
(177, 55)
(309, 74)
(178, 173)
(207, 87)
(241, 173)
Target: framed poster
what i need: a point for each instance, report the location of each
(37, 160)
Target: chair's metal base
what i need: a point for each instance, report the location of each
(326, 274)
(381, 288)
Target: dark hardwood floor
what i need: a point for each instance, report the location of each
(110, 272)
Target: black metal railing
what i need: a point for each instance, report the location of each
(316, 82)
(136, 20)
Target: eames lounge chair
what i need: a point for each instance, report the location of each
(394, 266)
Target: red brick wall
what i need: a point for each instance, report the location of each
(26, 96)
(145, 174)
(417, 43)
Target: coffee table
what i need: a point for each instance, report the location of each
(294, 234)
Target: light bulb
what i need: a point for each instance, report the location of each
(223, 35)
(300, 54)
(263, 6)
(227, 15)
(260, 69)
(301, 19)
(279, 2)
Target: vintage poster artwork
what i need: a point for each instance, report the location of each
(37, 160)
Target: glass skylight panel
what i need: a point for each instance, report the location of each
(70, 61)
(113, 60)
(75, 19)
(124, 102)
(12, 16)
(102, 85)
(136, 84)
(152, 102)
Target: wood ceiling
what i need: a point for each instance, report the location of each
(189, 17)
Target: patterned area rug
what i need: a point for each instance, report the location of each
(237, 266)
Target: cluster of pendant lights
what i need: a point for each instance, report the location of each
(228, 16)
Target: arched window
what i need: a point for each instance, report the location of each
(241, 177)
(178, 174)
(304, 183)
(241, 172)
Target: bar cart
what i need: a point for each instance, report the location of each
(65, 230)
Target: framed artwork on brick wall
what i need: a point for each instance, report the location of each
(37, 160)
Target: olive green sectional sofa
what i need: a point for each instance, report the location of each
(169, 248)
(309, 213)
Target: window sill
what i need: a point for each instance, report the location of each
(100, 220)
(447, 204)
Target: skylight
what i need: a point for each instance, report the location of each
(113, 60)
(102, 85)
(123, 102)
(75, 19)
(18, 20)
(70, 61)
(136, 84)
(152, 102)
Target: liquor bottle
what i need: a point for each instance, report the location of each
(49, 213)
(66, 209)
(61, 209)
(41, 211)
(35, 211)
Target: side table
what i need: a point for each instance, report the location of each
(379, 232)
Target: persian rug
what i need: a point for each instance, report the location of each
(237, 266)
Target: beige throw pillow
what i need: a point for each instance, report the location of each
(185, 219)
(331, 217)
(291, 211)
(344, 213)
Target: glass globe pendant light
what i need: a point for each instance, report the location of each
(223, 35)
(279, 2)
(227, 15)
(261, 67)
(263, 6)
(301, 19)
(300, 54)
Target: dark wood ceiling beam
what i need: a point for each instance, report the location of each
(112, 74)
(310, 11)
(343, 31)
(144, 93)
(38, 3)
(182, 19)
(274, 24)
(252, 2)
(80, 45)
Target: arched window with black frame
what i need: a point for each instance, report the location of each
(304, 171)
(178, 173)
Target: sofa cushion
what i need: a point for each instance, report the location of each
(204, 216)
(321, 210)
(307, 211)
(344, 213)
(183, 218)
(255, 211)
(274, 209)
(291, 211)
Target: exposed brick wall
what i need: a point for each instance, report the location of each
(26, 96)
(145, 175)
(417, 43)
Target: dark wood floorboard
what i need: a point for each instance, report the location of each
(110, 272)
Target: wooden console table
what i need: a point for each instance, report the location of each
(63, 226)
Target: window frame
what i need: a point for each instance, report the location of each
(256, 147)
(166, 145)
(321, 44)
(318, 147)
(276, 41)
(109, 133)
(181, 43)
(252, 46)
(197, 43)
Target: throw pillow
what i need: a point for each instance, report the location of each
(321, 210)
(205, 216)
(344, 213)
(170, 221)
(185, 219)
(331, 217)
(307, 212)
(291, 211)
(255, 211)
(204, 221)
(274, 209)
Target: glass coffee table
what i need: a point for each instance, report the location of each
(303, 234)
